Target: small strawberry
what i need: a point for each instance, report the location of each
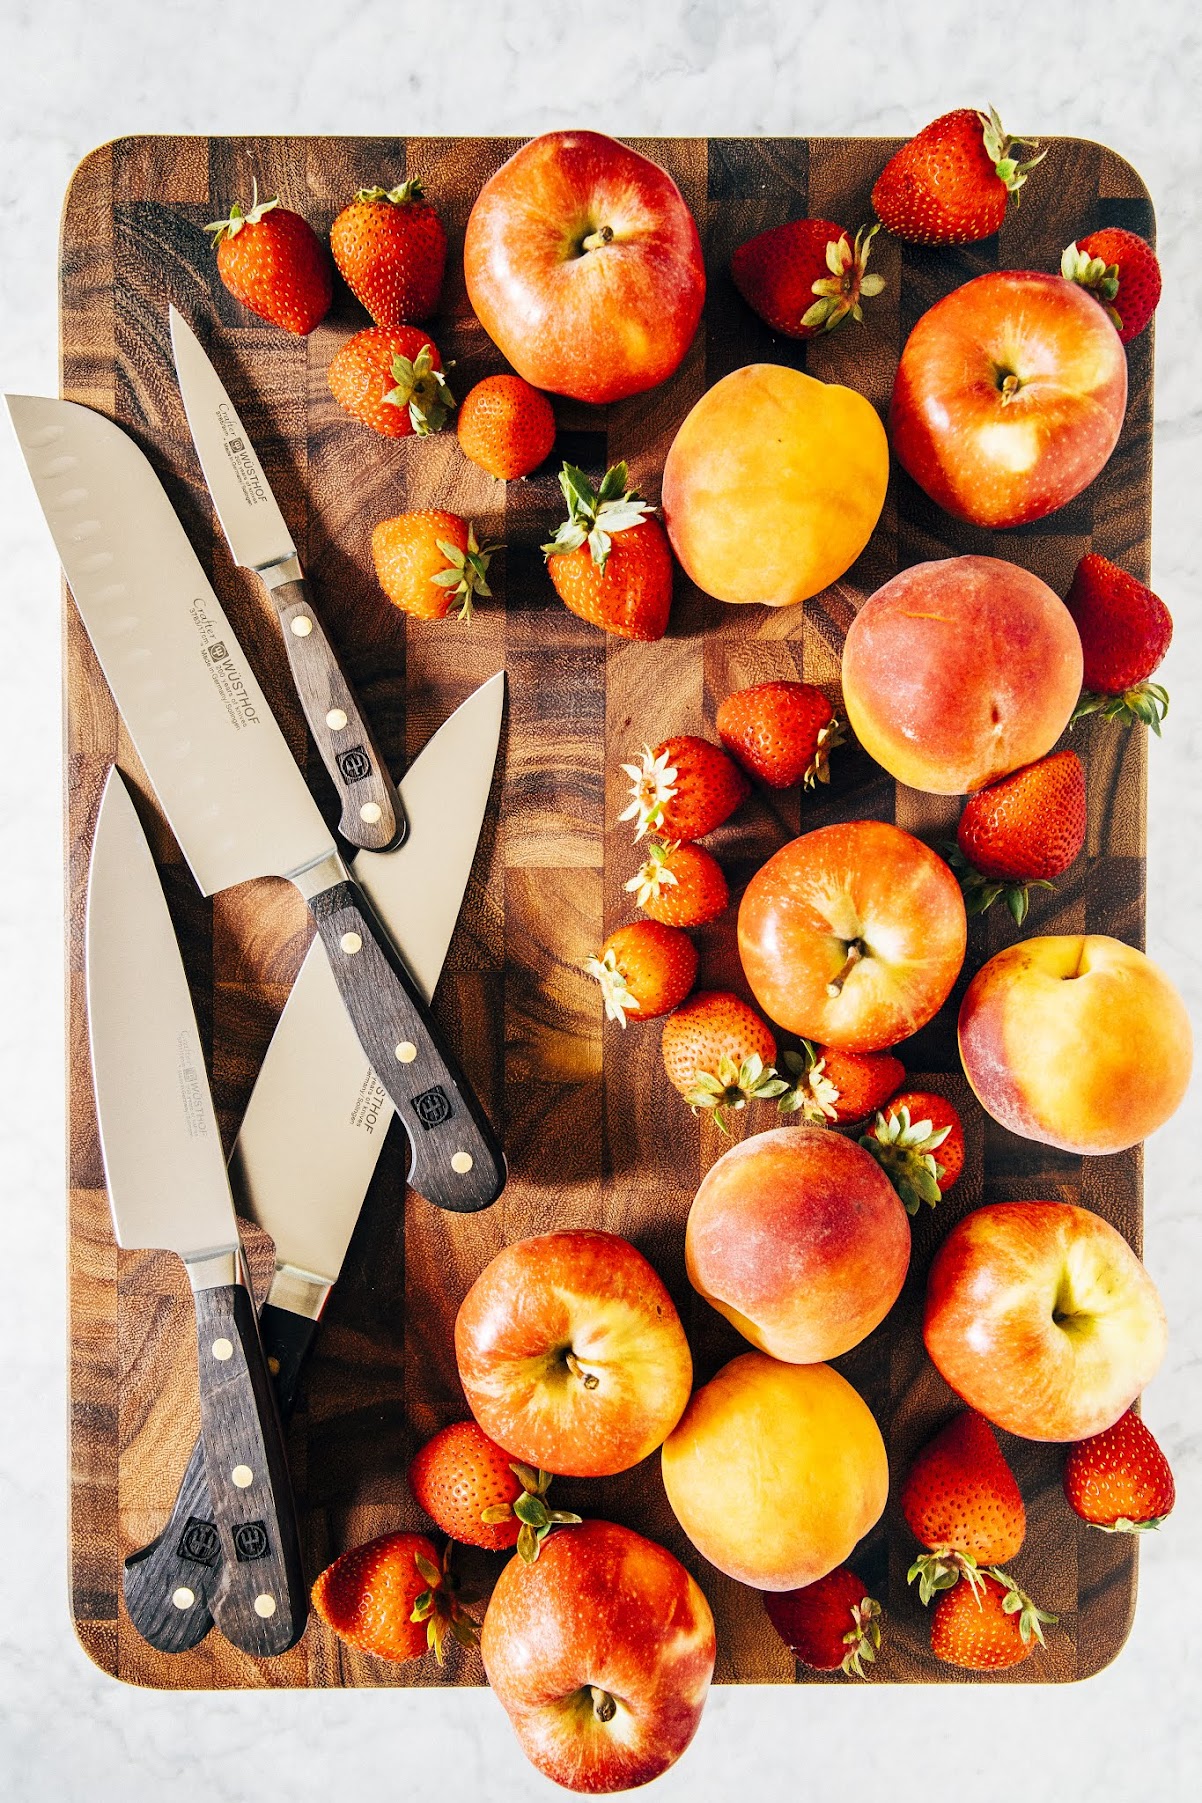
(781, 271)
(1020, 832)
(960, 1499)
(1125, 631)
(1120, 1480)
(478, 1495)
(685, 788)
(393, 1598)
(782, 732)
(951, 183)
(272, 261)
(830, 1085)
(719, 1054)
(987, 1629)
(610, 560)
(391, 249)
(830, 1625)
(426, 561)
(506, 426)
(390, 378)
(904, 1139)
(645, 968)
(1121, 269)
(682, 885)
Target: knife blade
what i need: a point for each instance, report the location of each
(168, 1188)
(230, 789)
(316, 1121)
(259, 540)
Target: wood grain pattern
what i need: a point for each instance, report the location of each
(591, 1134)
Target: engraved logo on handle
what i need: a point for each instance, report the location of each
(251, 1542)
(432, 1107)
(199, 1542)
(354, 764)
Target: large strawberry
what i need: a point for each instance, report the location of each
(1121, 269)
(645, 968)
(719, 1054)
(904, 1140)
(951, 183)
(478, 1495)
(394, 1598)
(682, 885)
(391, 249)
(1125, 631)
(609, 560)
(831, 1085)
(506, 427)
(989, 1628)
(685, 788)
(1120, 1480)
(829, 1625)
(1019, 833)
(390, 378)
(961, 1500)
(426, 561)
(272, 261)
(805, 276)
(782, 732)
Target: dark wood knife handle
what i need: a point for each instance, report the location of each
(373, 815)
(260, 1602)
(456, 1160)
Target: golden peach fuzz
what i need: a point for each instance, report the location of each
(957, 672)
(773, 485)
(775, 1471)
(800, 1240)
(1077, 1041)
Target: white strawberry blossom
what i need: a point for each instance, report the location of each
(652, 786)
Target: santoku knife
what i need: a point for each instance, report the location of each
(228, 784)
(259, 540)
(317, 1117)
(168, 1188)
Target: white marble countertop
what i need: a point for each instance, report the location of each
(75, 74)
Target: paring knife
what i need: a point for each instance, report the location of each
(259, 540)
(316, 1122)
(224, 776)
(168, 1188)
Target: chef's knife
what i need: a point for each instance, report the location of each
(259, 540)
(233, 795)
(168, 1188)
(316, 1122)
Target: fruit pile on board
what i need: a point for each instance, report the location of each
(961, 677)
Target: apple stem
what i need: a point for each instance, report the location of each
(855, 952)
(597, 239)
(1010, 387)
(589, 1379)
(604, 1706)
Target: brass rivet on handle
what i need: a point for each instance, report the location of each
(406, 1052)
(301, 625)
(183, 1598)
(243, 1476)
(370, 812)
(335, 719)
(265, 1606)
(222, 1349)
(462, 1162)
(351, 943)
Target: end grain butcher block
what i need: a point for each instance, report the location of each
(594, 1135)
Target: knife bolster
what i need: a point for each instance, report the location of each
(214, 1270)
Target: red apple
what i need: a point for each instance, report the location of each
(853, 935)
(1042, 1318)
(601, 1653)
(584, 265)
(571, 1353)
(1009, 397)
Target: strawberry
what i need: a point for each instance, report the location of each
(478, 1495)
(951, 183)
(645, 968)
(682, 885)
(506, 426)
(393, 1598)
(1120, 1480)
(830, 1085)
(904, 1139)
(831, 1624)
(391, 250)
(390, 378)
(1018, 833)
(1125, 631)
(610, 560)
(989, 1628)
(685, 788)
(782, 732)
(427, 560)
(719, 1054)
(961, 1500)
(272, 261)
(1121, 269)
(780, 271)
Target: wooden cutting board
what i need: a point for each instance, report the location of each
(594, 1135)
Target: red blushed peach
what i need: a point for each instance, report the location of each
(955, 673)
(1081, 1042)
(800, 1240)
